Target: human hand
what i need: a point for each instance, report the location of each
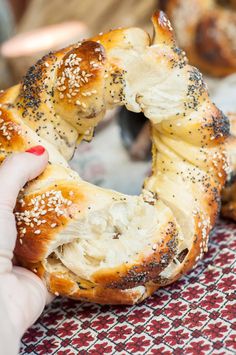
(23, 295)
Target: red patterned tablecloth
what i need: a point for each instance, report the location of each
(196, 315)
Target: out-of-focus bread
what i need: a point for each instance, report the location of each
(207, 32)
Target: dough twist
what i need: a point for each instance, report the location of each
(205, 29)
(100, 245)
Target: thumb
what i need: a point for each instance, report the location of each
(24, 296)
(23, 293)
(15, 171)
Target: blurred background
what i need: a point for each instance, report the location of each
(205, 29)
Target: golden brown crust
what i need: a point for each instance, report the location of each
(40, 225)
(80, 85)
(97, 294)
(11, 138)
(146, 269)
(162, 28)
(59, 217)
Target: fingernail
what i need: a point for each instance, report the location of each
(37, 150)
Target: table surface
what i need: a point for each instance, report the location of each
(195, 315)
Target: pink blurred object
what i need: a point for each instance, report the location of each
(24, 49)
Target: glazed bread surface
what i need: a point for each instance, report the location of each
(99, 245)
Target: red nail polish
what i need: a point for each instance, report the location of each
(37, 150)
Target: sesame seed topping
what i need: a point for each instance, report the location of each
(55, 203)
(8, 128)
(72, 77)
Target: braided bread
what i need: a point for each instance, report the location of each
(206, 31)
(99, 245)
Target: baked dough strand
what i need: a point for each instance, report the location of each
(99, 245)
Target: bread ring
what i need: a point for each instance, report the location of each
(207, 32)
(99, 245)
